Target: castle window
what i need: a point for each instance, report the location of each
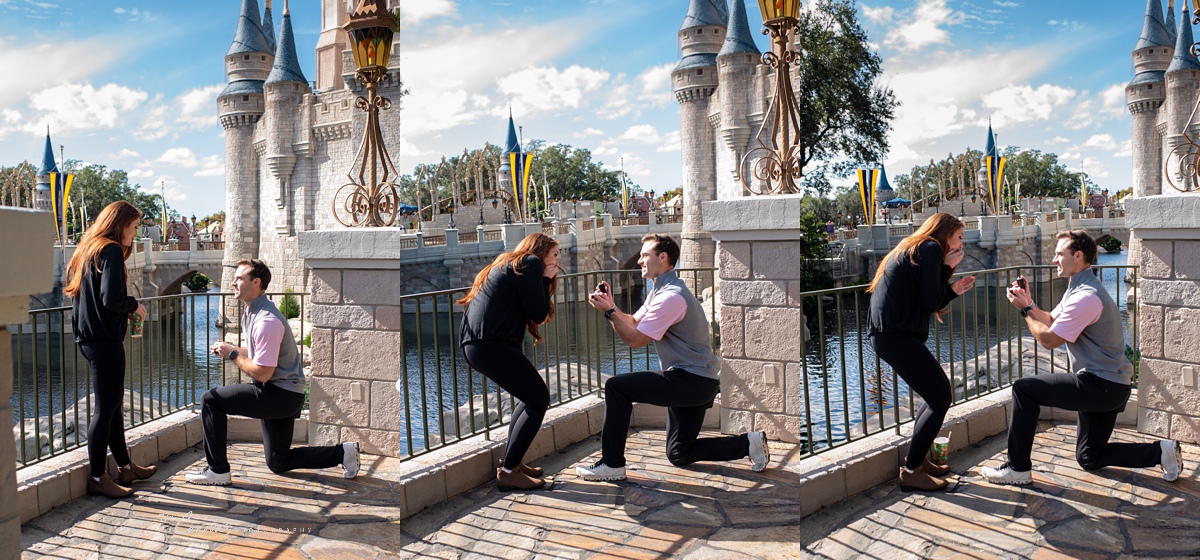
(246, 57)
(699, 31)
(700, 72)
(245, 98)
(264, 57)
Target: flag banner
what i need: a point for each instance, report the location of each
(867, 179)
(1000, 177)
(995, 176)
(516, 175)
(624, 194)
(54, 205)
(528, 164)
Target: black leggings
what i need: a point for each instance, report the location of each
(106, 361)
(277, 409)
(914, 363)
(511, 370)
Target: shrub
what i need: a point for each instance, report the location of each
(1111, 244)
(198, 282)
(290, 306)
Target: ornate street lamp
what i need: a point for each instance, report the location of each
(370, 199)
(450, 209)
(778, 164)
(480, 214)
(575, 199)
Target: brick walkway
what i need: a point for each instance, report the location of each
(717, 511)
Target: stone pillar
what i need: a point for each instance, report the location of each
(762, 320)
(28, 255)
(1168, 314)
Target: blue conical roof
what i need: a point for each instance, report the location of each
(48, 165)
(1184, 59)
(1170, 20)
(249, 36)
(286, 67)
(738, 38)
(512, 145)
(705, 12)
(1154, 31)
(883, 182)
(268, 26)
(991, 143)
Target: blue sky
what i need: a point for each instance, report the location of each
(132, 84)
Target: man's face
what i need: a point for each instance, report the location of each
(653, 263)
(1068, 262)
(244, 287)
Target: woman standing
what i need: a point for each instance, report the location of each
(100, 308)
(911, 284)
(509, 297)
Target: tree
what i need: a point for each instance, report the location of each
(814, 273)
(571, 172)
(96, 186)
(844, 115)
(1041, 174)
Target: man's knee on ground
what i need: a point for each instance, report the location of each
(276, 463)
(678, 456)
(1088, 460)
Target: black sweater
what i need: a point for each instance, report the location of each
(101, 310)
(909, 293)
(507, 301)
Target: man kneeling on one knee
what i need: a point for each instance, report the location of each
(275, 396)
(673, 320)
(1088, 322)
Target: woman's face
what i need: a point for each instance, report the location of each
(955, 240)
(128, 233)
(551, 260)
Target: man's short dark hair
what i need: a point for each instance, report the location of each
(1080, 241)
(664, 244)
(258, 269)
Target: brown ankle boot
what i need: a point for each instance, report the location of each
(106, 487)
(934, 469)
(134, 473)
(531, 472)
(517, 480)
(920, 480)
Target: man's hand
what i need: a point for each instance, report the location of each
(222, 349)
(141, 312)
(962, 285)
(602, 300)
(1019, 297)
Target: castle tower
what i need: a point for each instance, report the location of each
(41, 193)
(285, 89)
(1170, 20)
(268, 25)
(695, 79)
(239, 107)
(1145, 95)
(1183, 79)
(736, 64)
(330, 45)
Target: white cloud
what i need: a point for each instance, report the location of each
(670, 142)
(878, 15)
(1007, 4)
(198, 107)
(211, 166)
(641, 134)
(43, 64)
(1016, 104)
(1125, 149)
(413, 12)
(1057, 140)
(124, 153)
(618, 104)
(1112, 101)
(925, 26)
(72, 106)
(1100, 142)
(178, 157)
(538, 89)
(139, 173)
(656, 85)
(589, 131)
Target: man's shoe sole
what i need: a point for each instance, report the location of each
(604, 478)
(230, 483)
(1011, 482)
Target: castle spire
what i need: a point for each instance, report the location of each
(286, 67)
(249, 37)
(268, 27)
(512, 145)
(1154, 31)
(1184, 59)
(705, 12)
(48, 165)
(1170, 23)
(738, 38)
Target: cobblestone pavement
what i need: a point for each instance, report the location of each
(709, 511)
(1066, 513)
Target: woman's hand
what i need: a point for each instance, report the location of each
(964, 284)
(550, 269)
(953, 257)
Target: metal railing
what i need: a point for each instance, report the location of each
(493, 235)
(166, 370)
(468, 237)
(433, 240)
(848, 393)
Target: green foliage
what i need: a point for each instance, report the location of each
(845, 115)
(1111, 244)
(198, 282)
(571, 171)
(1134, 357)
(814, 273)
(96, 187)
(307, 342)
(1041, 174)
(290, 306)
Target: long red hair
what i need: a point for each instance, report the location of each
(538, 245)
(938, 227)
(108, 230)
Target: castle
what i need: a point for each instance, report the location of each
(288, 142)
(1162, 96)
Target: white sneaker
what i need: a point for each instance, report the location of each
(600, 471)
(1005, 474)
(1172, 459)
(207, 477)
(350, 459)
(759, 454)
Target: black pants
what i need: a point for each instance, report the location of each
(1098, 401)
(106, 362)
(511, 370)
(687, 396)
(278, 410)
(915, 364)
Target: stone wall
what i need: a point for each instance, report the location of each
(25, 272)
(1168, 314)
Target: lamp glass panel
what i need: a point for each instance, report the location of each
(372, 46)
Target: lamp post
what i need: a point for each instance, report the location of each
(480, 214)
(839, 217)
(777, 166)
(575, 200)
(370, 199)
(450, 209)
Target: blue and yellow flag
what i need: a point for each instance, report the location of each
(867, 181)
(60, 195)
(995, 170)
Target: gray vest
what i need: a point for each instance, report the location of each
(288, 374)
(1100, 348)
(687, 344)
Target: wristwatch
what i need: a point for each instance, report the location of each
(1025, 310)
(608, 314)
(233, 354)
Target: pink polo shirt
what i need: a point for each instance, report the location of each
(1075, 313)
(657, 315)
(267, 332)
